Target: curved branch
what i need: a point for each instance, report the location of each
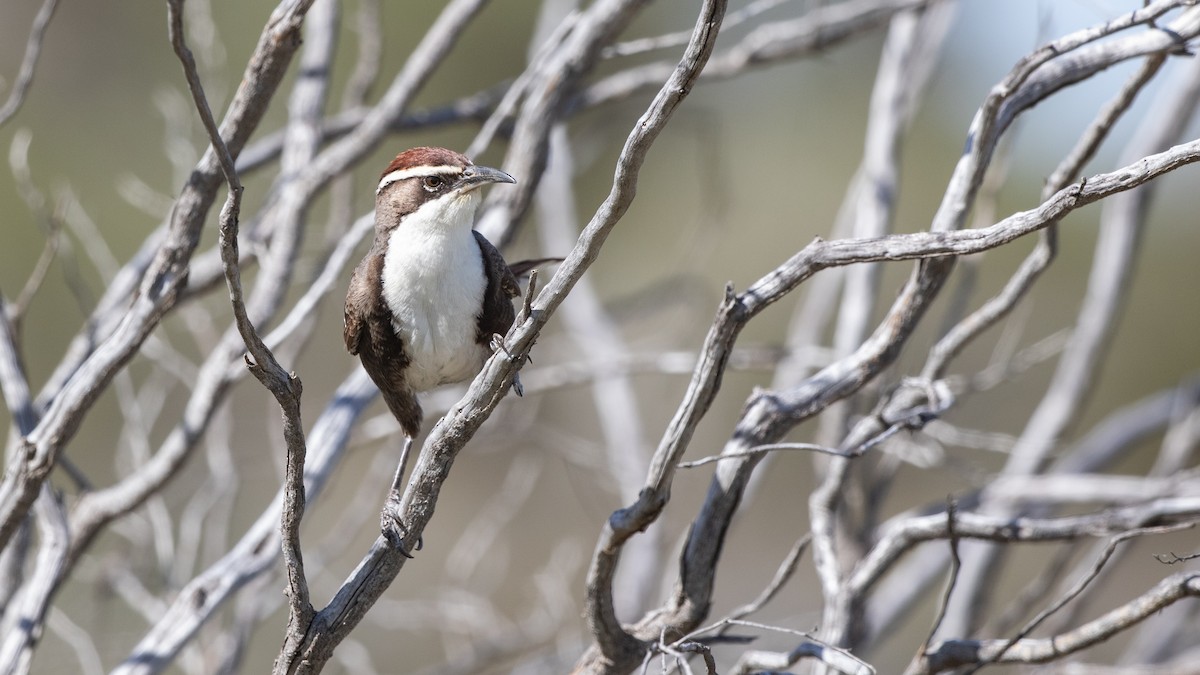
(952, 654)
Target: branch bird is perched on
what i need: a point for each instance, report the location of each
(424, 304)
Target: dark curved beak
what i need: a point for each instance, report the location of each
(476, 176)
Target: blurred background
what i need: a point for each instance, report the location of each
(750, 171)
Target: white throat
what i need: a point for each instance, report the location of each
(433, 282)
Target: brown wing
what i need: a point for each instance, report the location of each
(358, 304)
(498, 314)
(369, 334)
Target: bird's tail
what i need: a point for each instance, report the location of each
(522, 268)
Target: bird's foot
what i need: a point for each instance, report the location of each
(498, 346)
(394, 529)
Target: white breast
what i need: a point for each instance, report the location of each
(433, 282)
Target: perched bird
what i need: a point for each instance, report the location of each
(425, 303)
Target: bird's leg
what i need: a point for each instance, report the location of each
(397, 480)
(498, 346)
(391, 525)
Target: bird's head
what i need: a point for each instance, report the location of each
(438, 186)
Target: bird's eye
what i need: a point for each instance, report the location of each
(434, 183)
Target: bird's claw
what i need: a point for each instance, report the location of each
(394, 529)
(498, 346)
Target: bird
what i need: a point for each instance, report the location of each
(432, 295)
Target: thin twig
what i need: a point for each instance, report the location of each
(951, 579)
(956, 653)
(837, 658)
(680, 38)
(33, 49)
(1078, 588)
(765, 448)
(782, 575)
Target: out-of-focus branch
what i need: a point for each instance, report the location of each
(597, 335)
(825, 26)
(368, 27)
(952, 654)
(680, 38)
(506, 107)
(904, 533)
(363, 79)
(1060, 489)
(1031, 268)
(1080, 585)
(1121, 226)
(18, 161)
(80, 641)
(540, 379)
(837, 659)
(33, 49)
(258, 549)
(13, 382)
(545, 103)
(845, 376)
(472, 108)
(25, 618)
(1073, 479)
(906, 61)
(159, 284)
(222, 367)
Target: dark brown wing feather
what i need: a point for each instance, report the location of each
(498, 314)
(368, 332)
(356, 308)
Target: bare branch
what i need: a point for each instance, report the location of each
(33, 49)
(765, 448)
(820, 29)
(27, 614)
(86, 373)
(1041, 257)
(13, 381)
(951, 580)
(1122, 223)
(839, 660)
(1079, 586)
(901, 535)
(596, 333)
(956, 653)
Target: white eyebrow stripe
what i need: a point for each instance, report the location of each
(401, 174)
